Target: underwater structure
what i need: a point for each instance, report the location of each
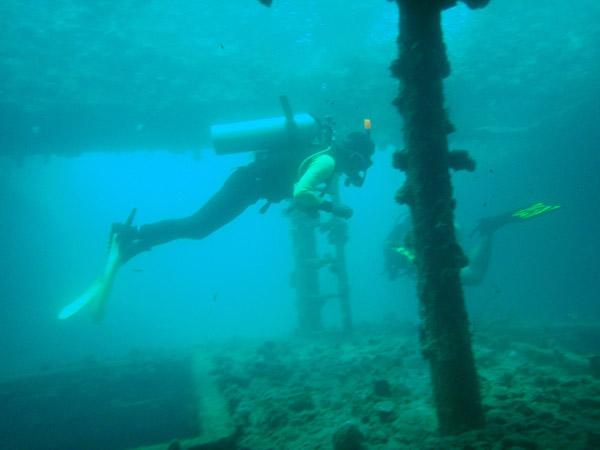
(337, 236)
(445, 337)
(98, 404)
(307, 264)
(305, 277)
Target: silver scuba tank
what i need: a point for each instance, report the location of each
(264, 134)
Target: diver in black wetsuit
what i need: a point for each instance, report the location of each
(271, 178)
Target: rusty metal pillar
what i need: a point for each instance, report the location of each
(445, 338)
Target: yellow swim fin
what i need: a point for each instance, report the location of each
(113, 264)
(533, 210)
(490, 224)
(99, 291)
(81, 301)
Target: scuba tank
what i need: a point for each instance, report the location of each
(265, 134)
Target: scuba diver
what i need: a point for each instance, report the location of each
(288, 165)
(399, 255)
(294, 173)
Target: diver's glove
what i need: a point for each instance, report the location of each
(336, 209)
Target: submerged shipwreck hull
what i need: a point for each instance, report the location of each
(139, 401)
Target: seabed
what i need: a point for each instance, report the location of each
(368, 390)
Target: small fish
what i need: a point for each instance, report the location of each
(222, 47)
(215, 297)
(267, 3)
(497, 289)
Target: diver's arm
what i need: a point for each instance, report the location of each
(479, 262)
(318, 172)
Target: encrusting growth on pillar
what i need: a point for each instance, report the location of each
(445, 338)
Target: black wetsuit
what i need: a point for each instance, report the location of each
(270, 178)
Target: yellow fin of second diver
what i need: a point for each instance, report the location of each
(534, 210)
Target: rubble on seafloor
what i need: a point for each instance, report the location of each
(370, 390)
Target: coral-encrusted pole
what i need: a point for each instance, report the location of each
(305, 278)
(445, 337)
(338, 237)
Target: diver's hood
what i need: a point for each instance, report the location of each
(358, 149)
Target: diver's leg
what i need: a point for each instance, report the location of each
(238, 192)
(480, 257)
(479, 261)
